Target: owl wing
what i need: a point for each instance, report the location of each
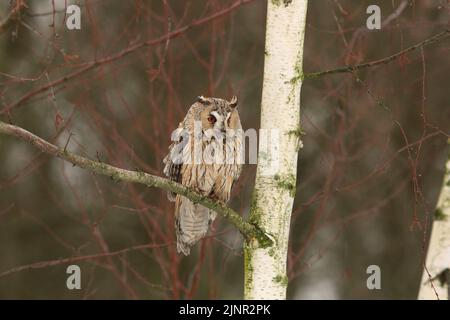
(173, 162)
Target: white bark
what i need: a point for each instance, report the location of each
(438, 256)
(265, 268)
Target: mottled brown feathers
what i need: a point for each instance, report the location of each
(213, 174)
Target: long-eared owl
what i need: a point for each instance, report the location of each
(206, 156)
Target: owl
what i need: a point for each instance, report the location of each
(206, 155)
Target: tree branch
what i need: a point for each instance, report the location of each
(75, 259)
(386, 60)
(248, 230)
(12, 16)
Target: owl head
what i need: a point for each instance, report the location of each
(218, 114)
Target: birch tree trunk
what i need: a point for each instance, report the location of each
(273, 197)
(438, 256)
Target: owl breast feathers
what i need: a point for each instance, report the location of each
(207, 156)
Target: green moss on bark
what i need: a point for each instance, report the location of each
(280, 2)
(281, 279)
(439, 215)
(298, 133)
(255, 212)
(248, 270)
(288, 183)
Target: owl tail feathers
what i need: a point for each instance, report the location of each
(191, 223)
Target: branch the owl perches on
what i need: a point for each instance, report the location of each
(248, 230)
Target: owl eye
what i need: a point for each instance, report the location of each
(212, 119)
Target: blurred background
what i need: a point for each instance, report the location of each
(369, 173)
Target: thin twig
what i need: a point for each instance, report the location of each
(50, 263)
(386, 60)
(13, 15)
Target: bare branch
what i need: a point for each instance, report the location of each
(51, 263)
(12, 16)
(386, 60)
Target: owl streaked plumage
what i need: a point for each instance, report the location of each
(206, 155)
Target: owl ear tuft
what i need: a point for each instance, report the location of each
(202, 100)
(234, 102)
